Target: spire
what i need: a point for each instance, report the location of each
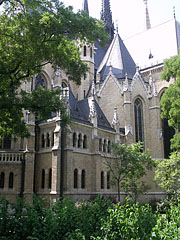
(106, 17)
(85, 6)
(148, 24)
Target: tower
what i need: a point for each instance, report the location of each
(106, 17)
(148, 24)
(85, 6)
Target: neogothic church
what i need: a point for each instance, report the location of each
(117, 101)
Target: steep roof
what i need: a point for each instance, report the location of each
(117, 57)
(80, 111)
(151, 47)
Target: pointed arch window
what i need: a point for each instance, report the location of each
(79, 140)
(85, 142)
(11, 180)
(50, 178)
(85, 51)
(139, 123)
(74, 139)
(83, 179)
(43, 179)
(42, 141)
(75, 178)
(102, 180)
(6, 143)
(48, 139)
(2, 178)
(91, 52)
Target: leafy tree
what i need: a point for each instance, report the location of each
(128, 167)
(170, 101)
(34, 33)
(167, 174)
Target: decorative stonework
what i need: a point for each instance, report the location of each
(159, 133)
(128, 130)
(115, 122)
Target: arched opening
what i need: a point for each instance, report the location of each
(43, 179)
(6, 143)
(100, 144)
(50, 178)
(168, 133)
(102, 180)
(79, 140)
(83, 179)
(42, 141)
(40, 81)
(85, 142)
(2, 179)
(104, 146)
(52, 139)
(11, 180)
(139, 123)
(74, 139)
(109, 146)
(75, 178)
(85, 51)
(48, 140)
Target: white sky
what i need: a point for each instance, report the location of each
(130, 14)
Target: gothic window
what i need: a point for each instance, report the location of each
(6, 143)
(85, 142)
(64, 85)
(75, 178)
(50, 178)
(109, 146)
(79, 140)
(85, 51)
(11, 180)
(2, 178)
(83, 179)
(108, 180)
(52, 139)
(139, 124)
(91, 52)
(40, 82)
(74, 139)
(42, 141)
(104, 146)
(48, 140)
(102, 180)
(168, 133)
(100, 144)
(43, 179)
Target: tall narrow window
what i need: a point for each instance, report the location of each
(42, 141)
(11, 180)
(83, 179)
(43, 179)
(104, 146)
(84, 93)
(2, 178)
(50, 178)
(91, 52)
(74, 139)
(6, 143)
(100, 144)
(139, 124)
(85, 51)
(52, 139)
(75, 178)
(48, 140)
(109, 146)
(79, 140)
(102, 180)
(85, 142)
(108, 180)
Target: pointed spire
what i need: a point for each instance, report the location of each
(148, 24)
(106, 17)
(85, 6)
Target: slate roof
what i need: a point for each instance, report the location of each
(80, 113)
(118, 57)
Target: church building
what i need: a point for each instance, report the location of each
(117, 101)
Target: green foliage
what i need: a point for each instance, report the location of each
(34, 33)
(167, 174)
(170, 101)
(128, 167)
(96, 220)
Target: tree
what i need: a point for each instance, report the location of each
(34, 33)
(129, 165)
(170, 101)
(167, 174)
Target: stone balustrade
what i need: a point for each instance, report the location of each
(11, 157)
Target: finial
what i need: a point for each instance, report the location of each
(174, 12)
(117, 26)
(85, 6)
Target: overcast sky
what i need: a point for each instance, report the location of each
(130, 14)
